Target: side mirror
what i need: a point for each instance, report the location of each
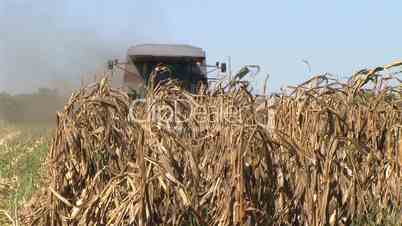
(223, 67)
(110, 64)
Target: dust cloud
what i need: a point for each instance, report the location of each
(47, 48)
(54, 44)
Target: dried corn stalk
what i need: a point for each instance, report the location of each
(330, 153)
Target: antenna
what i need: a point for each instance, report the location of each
(230, 67)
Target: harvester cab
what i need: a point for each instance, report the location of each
(150, 64)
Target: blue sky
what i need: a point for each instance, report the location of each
(334, 36)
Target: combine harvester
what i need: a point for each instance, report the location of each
(151, 64)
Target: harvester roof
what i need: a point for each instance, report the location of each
(165, 50)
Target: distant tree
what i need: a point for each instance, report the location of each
(47, 92)
(10, 109)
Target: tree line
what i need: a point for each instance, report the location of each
(40, 106)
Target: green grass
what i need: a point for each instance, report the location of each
(28, 170)
(21, 164)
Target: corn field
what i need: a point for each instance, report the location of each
(326, 152)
